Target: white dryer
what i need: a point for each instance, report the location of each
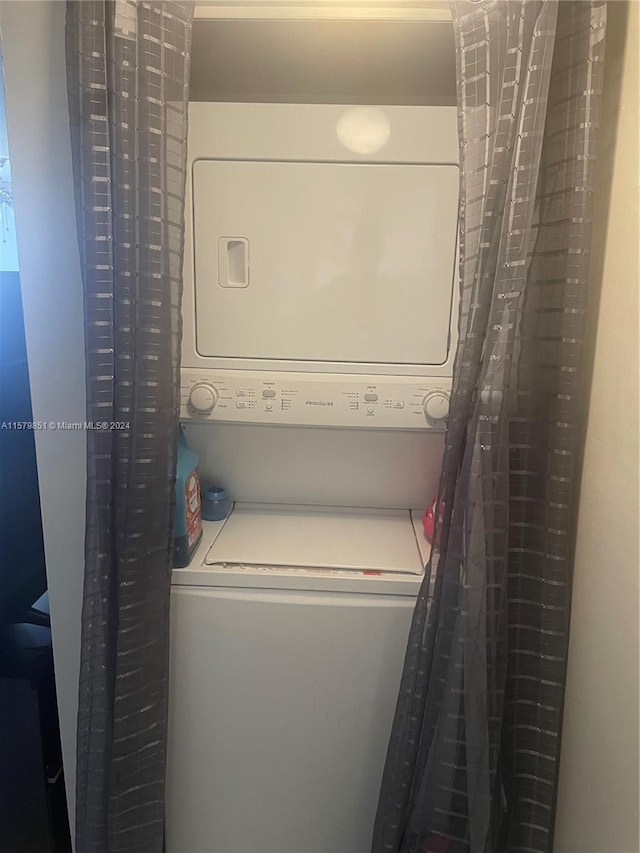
(319, 297)
(288, 635)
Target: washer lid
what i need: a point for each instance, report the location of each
(318, 538)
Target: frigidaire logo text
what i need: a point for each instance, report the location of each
(319, 403)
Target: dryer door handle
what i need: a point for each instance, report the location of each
(233, 262)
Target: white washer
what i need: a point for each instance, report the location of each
(288, 634)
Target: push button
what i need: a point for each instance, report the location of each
(268, 394)
(371, 398)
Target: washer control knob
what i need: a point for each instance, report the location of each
(203, 398)
(436, 406)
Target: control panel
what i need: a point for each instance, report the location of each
(294, 399)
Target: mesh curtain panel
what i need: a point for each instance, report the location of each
(128, 71)
(473, 758)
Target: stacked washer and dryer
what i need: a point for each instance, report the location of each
(319, 337)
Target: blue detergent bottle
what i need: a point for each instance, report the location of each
(187, 528)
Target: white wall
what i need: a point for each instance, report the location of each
(38, 129)
(598, 793)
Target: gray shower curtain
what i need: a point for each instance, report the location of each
(128, 71)
(473, 758)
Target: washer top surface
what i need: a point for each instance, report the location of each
(320, 548)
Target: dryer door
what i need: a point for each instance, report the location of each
(324, 262)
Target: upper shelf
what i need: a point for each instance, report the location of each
(323, 62)
(382, 10)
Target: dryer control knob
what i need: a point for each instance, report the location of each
(203, 398)
(436, 406)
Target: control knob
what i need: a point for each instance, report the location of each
(436, 406)
(202, 398)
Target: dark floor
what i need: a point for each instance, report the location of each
(33, 810)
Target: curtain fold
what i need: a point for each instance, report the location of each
(128, 71)
(473, 756)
